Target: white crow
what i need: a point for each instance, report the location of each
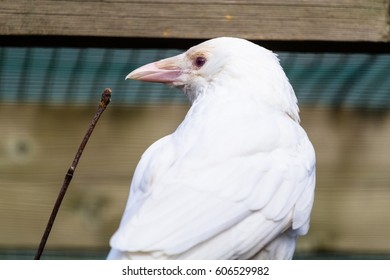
(236, 179)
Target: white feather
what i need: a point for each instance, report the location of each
(236, 179)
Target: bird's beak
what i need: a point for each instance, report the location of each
(163, 71)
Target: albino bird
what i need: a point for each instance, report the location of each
(236, 179)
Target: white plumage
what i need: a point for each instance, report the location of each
(236, 179)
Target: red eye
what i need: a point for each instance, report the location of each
(200, 61)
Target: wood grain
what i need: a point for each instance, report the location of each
(37, 144)
(343, 20)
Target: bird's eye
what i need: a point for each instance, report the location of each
(199, 61)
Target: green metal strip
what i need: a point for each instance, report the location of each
(78, 75)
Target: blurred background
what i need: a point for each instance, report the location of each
(56, 58)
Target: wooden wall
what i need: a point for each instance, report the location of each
(351, 211)
(332, 20)
(37, 144)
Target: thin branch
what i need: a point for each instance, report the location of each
(105, 100)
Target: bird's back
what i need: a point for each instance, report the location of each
(225, 185)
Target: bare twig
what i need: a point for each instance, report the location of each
(69, 175)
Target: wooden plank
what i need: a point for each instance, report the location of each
(36, 149)
(352, 209)
(37, 144)
(343, 20)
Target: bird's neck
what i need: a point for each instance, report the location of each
(232, 91)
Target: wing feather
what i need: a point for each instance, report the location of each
(184, 206)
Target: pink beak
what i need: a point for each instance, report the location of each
(163, 71)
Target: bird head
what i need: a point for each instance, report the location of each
(225, 65)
